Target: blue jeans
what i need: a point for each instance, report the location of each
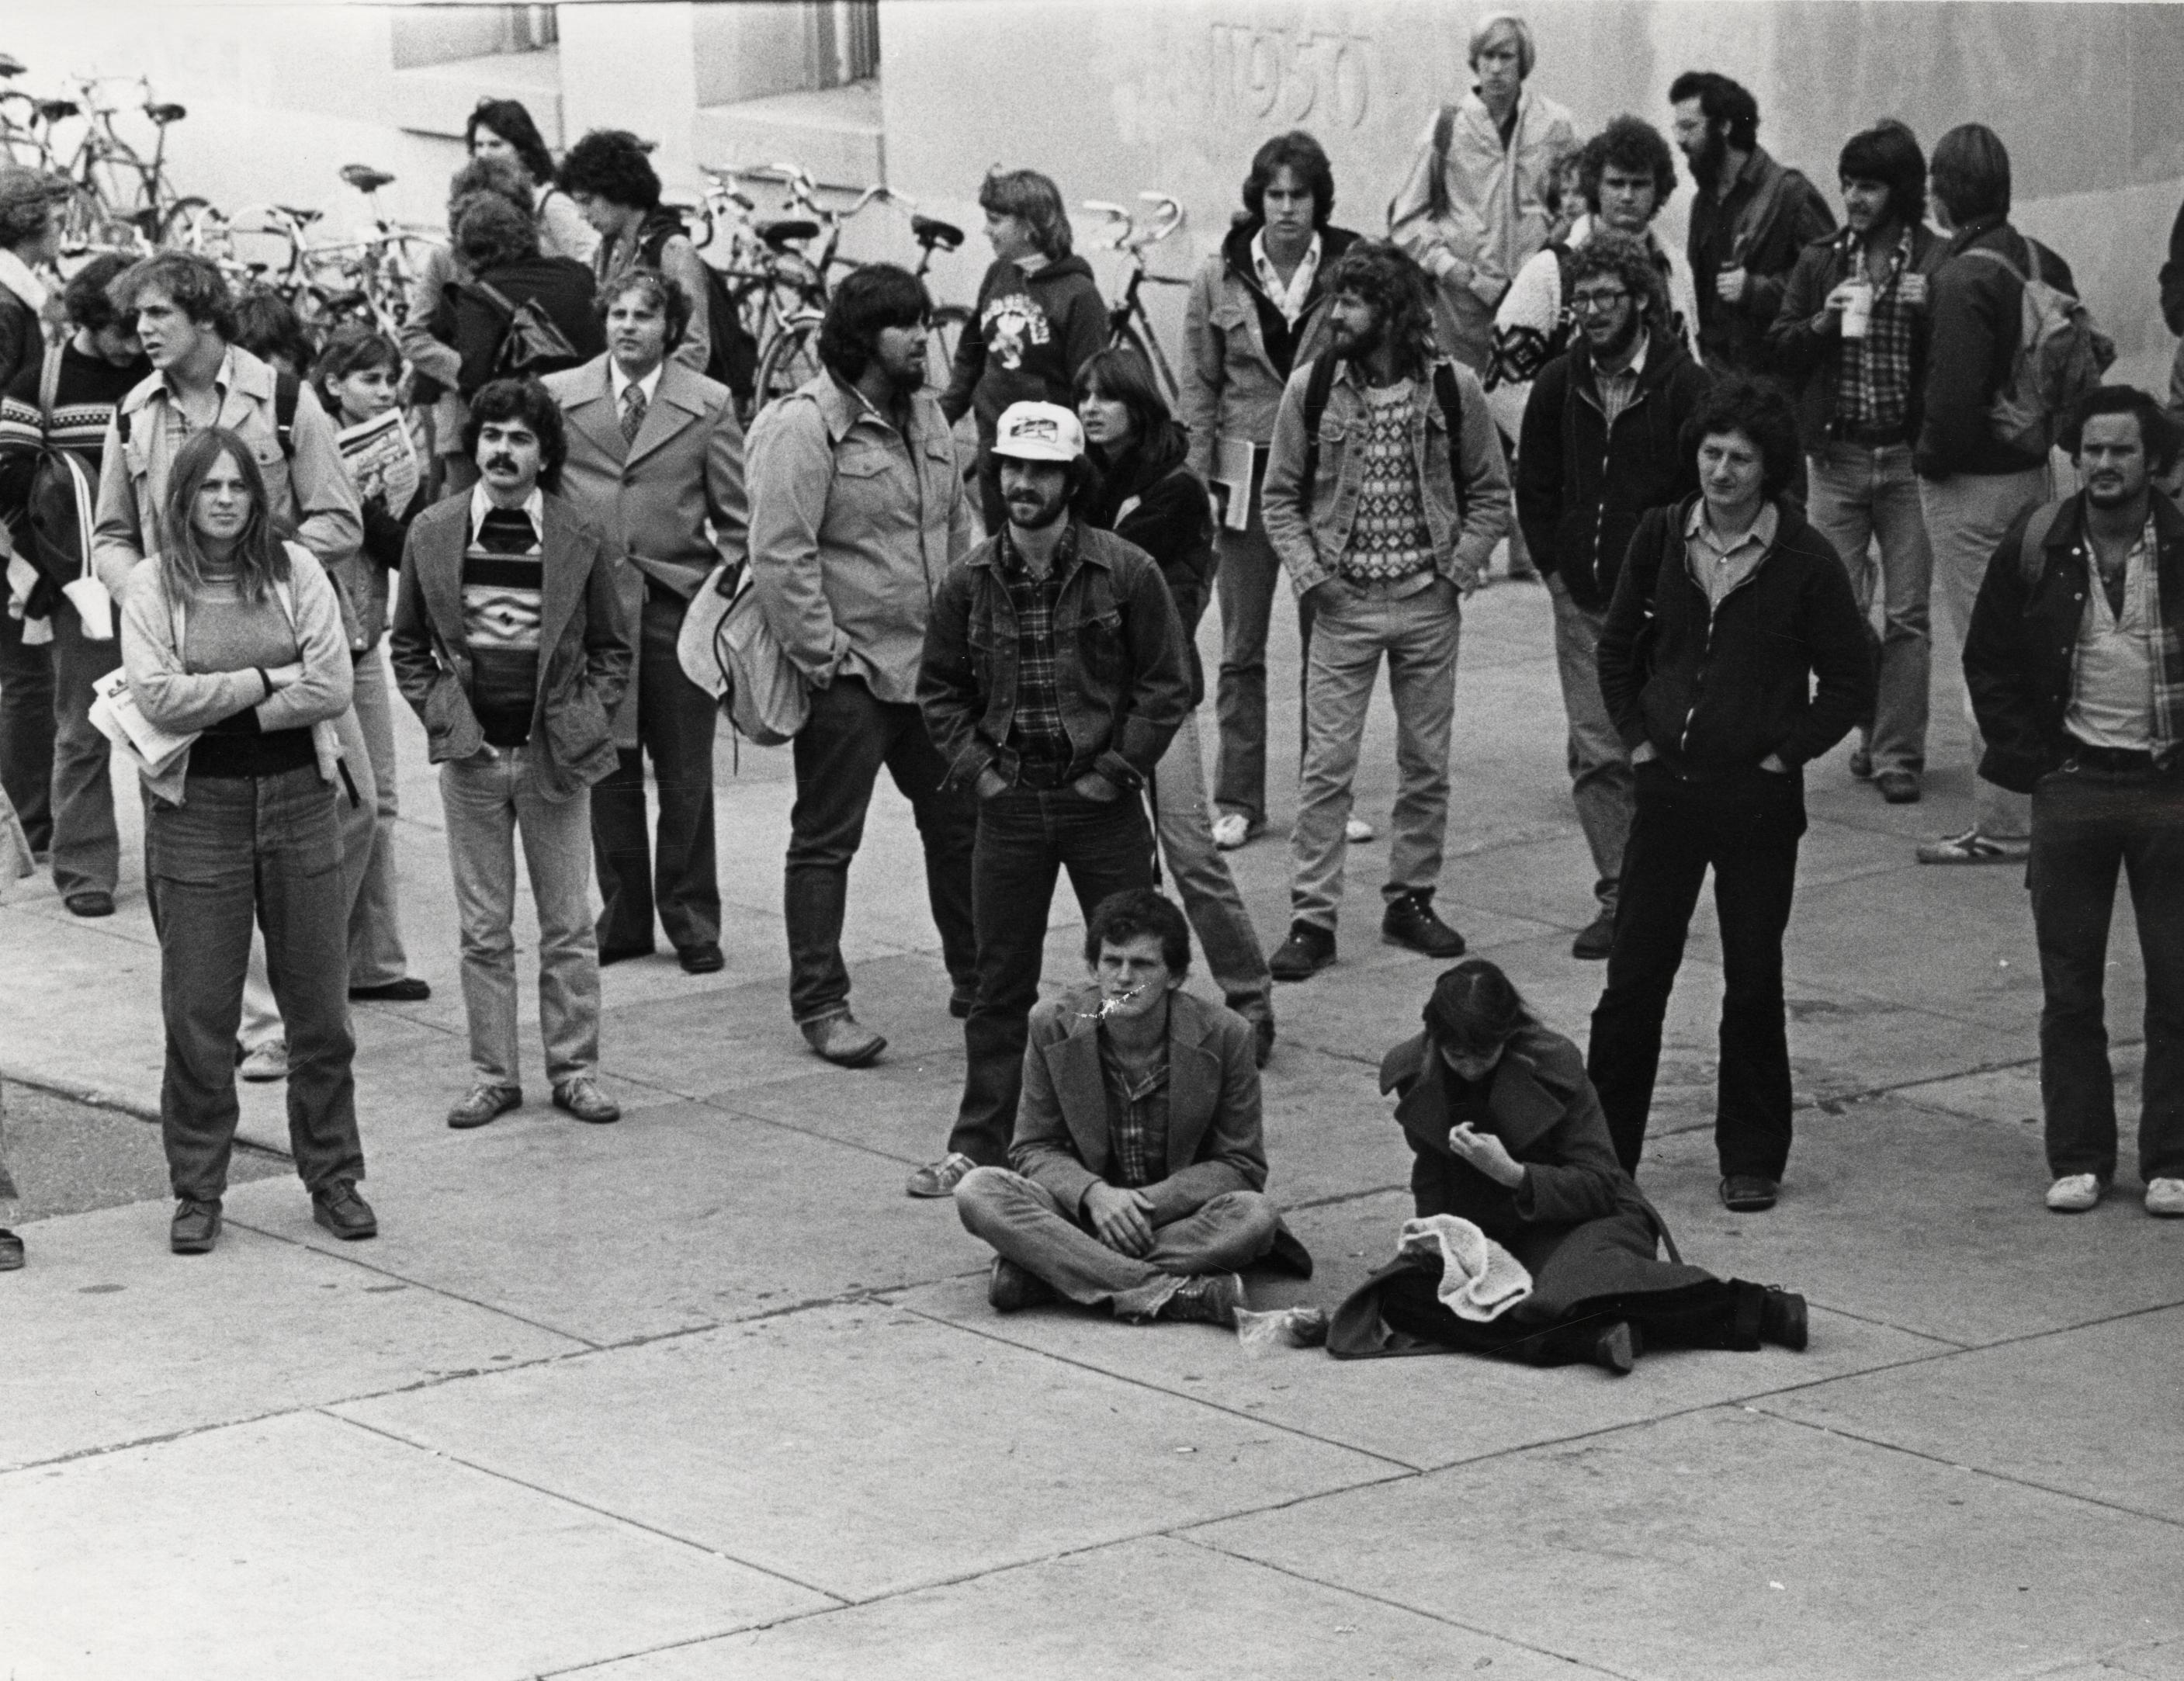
(1203, 879)
(1026, 836)
(2087, 825)
(1246, 580)
(1858, 495)
(839, 751)
(1024, 1221)
(240, 849)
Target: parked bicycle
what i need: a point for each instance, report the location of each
(122, 198)
(1128, 327)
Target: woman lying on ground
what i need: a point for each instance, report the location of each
(1508, 1134)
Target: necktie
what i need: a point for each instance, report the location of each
(632, 413)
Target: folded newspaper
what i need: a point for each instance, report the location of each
(381, 458)
(115, 715)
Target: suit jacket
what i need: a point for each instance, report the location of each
(1215, 1141)
(585, 646)
(655, 498)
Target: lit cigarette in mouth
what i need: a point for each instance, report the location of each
(1108, 1007)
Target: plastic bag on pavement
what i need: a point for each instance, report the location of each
(1289, 1328)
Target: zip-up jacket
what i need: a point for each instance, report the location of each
(1239, 350)
(1581, 485)
(1807, 347)
(1781, 667)
(1770, 215)
(1975, 306)
(1119, 663)
(1026, 337)
(2020, 655)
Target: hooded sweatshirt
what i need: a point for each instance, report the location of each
(1028, 336)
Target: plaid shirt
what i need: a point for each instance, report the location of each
(2141, 610)
(1037, 736)
(1873, 375)
(1137, 1120)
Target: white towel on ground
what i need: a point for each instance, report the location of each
(1480, 1280)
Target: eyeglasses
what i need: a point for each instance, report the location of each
(1597, 303)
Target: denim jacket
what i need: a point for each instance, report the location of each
(1124, 683)
(1464, 529)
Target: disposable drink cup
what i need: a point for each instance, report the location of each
(1858, 311)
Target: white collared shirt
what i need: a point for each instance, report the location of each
(21, 279)
(1290, 299)
(649, 385)
(534, 505)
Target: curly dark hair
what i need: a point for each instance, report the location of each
(1475, 1008)
(490, 231)
(192, 284)
(1295, 150)
(1135, 911)
(661, 292)
(1889, 153)
(2156, 430)
(1758, 409)
(89, 299)
(1625, 257)
(1720, 101)
(1635, 147)
(1389, 280)
(867, 302)
(507, 119)
(529, 401)
(610, 164)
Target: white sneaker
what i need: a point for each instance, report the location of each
(2075, 1193)
(266, 1063)
(2166, 1197)
(1231, 831)
(1357, 829)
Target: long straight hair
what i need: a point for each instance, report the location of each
(260, 560)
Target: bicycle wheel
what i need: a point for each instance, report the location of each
(192, 225)
(789, 361)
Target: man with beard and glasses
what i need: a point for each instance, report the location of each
(2076, 664)
(656, 463)
(1054, 678)
(1386, 493)
(1601, 443)
(858, 512)
(1750, 219)
(1854, 331)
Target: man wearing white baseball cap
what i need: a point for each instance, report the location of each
(1053, 676)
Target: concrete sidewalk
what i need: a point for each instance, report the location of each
(703, 1394)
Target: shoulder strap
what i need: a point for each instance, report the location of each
(1450, 395)
(2031, 553)
(1317, 386)
(286, 390)
(1995, 256)
(49, 384)
(493, 295)
(1444, 137)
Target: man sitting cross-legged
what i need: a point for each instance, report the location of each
(1134, 1180)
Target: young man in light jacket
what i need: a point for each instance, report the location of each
(1386, 522)
(858, 513)
(1258, 308)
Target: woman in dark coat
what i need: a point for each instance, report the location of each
(1508, 1133)
(499, 244)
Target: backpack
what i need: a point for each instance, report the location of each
(1321, 381)
(2061, 356)
(731, 353)
(726, 649)
(2032, 548)
(532, 342)
(60, 507)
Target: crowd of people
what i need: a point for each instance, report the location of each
(1718, 462)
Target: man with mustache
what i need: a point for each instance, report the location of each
(2076, 676)
(1749, 219)
(656, 463)
(1053, 676)
(858, 512)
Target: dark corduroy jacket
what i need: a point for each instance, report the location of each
(1782, 666)
(1581, 486)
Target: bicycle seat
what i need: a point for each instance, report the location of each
(304, 216)
(929, 231)
(365, 179)
(164, 115)
(10, 65)
(786, 231)
(55, 110)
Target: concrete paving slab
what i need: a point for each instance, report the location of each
(673, 1219)
(1425, 1411)
(1724, 1542)
(1925, 1222)
(865, 1450)
(111, 1339)
(2081, 1411)
(2012, 1093)
(305, 1545)
(1117, 1613)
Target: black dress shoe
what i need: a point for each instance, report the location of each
(701, 960)
(1782, 1320)
(1410, 921)
(407, 990)
(1748, 1194)
(621, 953)
(1304, 954)
(196, 1227)
(340, 1210)
(91, 902)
